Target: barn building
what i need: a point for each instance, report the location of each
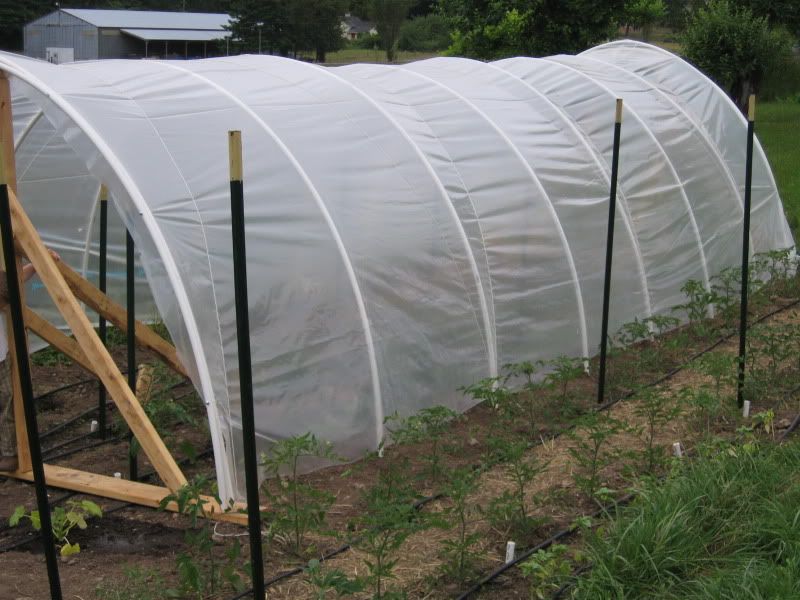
(70, 34)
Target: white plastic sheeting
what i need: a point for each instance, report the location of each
(409, 228)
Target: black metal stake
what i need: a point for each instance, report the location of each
(748, 184)
(612, 203)
(130, 289)
(103, 270)
(245, 364)
(26, 387)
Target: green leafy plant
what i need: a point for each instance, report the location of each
(523, 404)
(696, 307)
(459, 554)
(387, 518)
(296, 507)
(63, 519)
(330, 581)
(704, 406)
(49, 357)
(200, 572)
(590, 452)
(427, 426)
(547, 570)
(721, 367)
(657, 410)
(565, 370)
(766, 419)
(511, 512)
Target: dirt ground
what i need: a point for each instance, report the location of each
(151, 540)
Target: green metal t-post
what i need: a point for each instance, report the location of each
(612, 203)
(130, 285)
(748, 185)
(101, 284)
(26, 388)
(245, 362)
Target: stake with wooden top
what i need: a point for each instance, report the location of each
(245, 364)
(612, 203)
(26, 387)
(101, 284)
(130, 338)
(748, 185)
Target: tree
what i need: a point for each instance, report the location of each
(287, 27)
(497, 28)
(643, 14)
(734, 47)
(389, 16)
(784, 13)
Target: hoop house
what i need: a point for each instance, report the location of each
(410, 228)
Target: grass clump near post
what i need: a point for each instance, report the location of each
(722, 527)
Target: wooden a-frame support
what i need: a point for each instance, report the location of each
(66, 288)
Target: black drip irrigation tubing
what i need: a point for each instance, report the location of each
(328, 555)
(541, 546)
(556, 435)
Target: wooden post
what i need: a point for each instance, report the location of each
(9, 169)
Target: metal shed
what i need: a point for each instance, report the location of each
(87, 34)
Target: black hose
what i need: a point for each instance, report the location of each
(328, 555)
(64, 388)
(541, 546)
(65, 424)
(72, 451)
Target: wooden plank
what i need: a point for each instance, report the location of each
(95, 352)
(9, 166)
(116, 314)
(135, 492)
(8, 175)
(53, 336)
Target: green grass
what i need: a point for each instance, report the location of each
(725, 526)
(359, 55)
(778, 129)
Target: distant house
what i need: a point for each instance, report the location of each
(354, 27)
(86, 34)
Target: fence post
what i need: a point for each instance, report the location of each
(130, 337)
(102, 276)
(245, 361)
(23, 367)
(612, 203)
(748, 185)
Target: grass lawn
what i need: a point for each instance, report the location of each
(778, 128)
(358, 55)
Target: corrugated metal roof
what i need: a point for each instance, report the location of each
(150, 19)
(179, 35)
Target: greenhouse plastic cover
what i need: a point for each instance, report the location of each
(410, 229)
